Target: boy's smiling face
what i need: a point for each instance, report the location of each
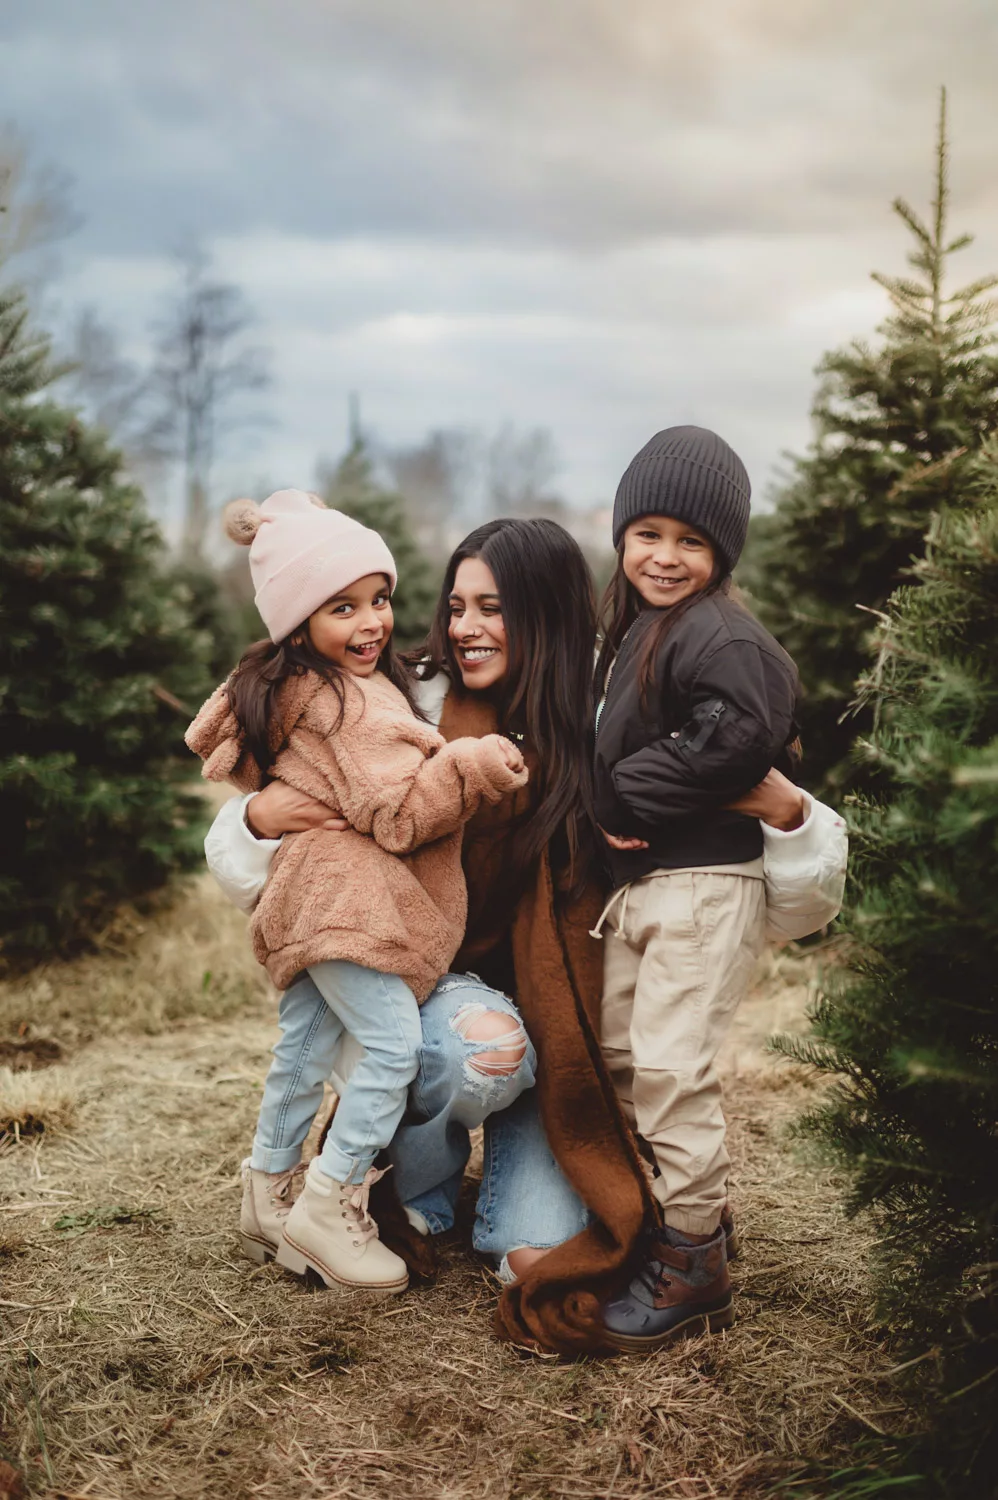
(666, 560)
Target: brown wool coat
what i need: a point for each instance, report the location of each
(388, 894)
(558, 982)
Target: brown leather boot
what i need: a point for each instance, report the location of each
(733, 1240)
(680, 1291)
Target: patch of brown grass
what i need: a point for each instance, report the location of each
(146, 1358)
(189, 956)
(32, 1103)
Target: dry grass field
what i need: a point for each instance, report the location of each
(142, 1357)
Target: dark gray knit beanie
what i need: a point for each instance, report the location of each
(691, 474)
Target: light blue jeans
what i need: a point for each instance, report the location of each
(381, 1012)
(524, 1198)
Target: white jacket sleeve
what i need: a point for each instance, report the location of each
(239, 862)
(805, 871)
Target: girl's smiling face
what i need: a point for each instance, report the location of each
(476, 628)
(352, 629)
(666, 560)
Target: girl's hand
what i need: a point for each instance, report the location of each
(279, 809)
(775, 801)
(624, 845)
(510, 754)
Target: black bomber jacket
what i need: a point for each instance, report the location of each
(720, 714)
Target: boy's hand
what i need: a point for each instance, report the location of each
(624, 845)
(279, 809)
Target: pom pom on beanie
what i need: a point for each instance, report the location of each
(241, 519)
(302, 553)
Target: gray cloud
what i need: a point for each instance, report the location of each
(573, 122)
(598, 214)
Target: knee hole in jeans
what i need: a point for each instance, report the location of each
(474, 1022)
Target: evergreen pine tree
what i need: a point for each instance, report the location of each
(353, 488)
(98, 665)
(897, 428)
(25, 366)
(909, 1029)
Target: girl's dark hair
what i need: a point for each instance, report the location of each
(620, 607)
(548, 603)
(264, 666)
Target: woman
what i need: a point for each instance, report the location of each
(563, 1197)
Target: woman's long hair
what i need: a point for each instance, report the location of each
(548, 604)
(264, 666)
(620, 607)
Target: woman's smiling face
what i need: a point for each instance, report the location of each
(476, 627)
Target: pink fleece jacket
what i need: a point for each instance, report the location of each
(389, 893)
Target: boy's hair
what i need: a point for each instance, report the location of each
(620, 607)
(264, 666)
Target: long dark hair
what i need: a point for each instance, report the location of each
(620, 607)
(548, 604)
(264, 666)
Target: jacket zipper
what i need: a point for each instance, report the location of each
(708, 726)
(601, 705)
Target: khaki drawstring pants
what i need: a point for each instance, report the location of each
(681, 950)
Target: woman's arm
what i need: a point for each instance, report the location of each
(246, 834)
(280, 809)
(776, 802)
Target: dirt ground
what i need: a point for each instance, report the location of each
(141, 1356)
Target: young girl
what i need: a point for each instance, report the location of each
(698, 705)
(374, 914)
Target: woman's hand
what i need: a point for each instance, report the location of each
(775, 801)
(279, 809)
(624, 845)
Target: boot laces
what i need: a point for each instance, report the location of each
(284, 1189)
(652, 1274)
(355, 1201)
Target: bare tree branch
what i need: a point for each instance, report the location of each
(35, 208)
(202, 365)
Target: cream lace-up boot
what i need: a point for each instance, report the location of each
(330, 1231)
(267, 1201)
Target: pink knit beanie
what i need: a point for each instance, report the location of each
(301, 554)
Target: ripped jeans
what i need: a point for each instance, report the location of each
(524, 1199)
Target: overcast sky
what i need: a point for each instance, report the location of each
(601, 216)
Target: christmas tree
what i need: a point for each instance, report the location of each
(909, 1029)
(99, 667)
(352, 487)
(897, 429)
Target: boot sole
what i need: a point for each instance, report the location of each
(293, 1258)
(256, 1250)
(699, 1323)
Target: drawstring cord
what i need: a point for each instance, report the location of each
(621, 891)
